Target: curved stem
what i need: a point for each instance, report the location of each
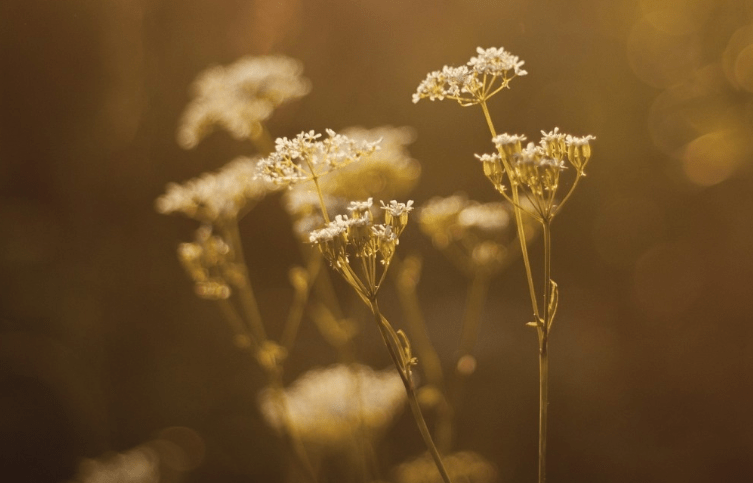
(404, 370)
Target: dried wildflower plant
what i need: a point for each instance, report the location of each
(331, 181)
(529, 178)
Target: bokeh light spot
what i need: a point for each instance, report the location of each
(713, 157)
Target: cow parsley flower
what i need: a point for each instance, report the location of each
(305, 157)
(239, 97)
(482, 77)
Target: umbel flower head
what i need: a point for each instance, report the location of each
(482, 77)
(217, 196)
(358, 238)
(330, 406)
(305, 157)
(240, 96)
(536, 168)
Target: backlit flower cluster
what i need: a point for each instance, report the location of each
(359, 249)
(331, 406)
(475, 236)
(536, 168)
(482, 77)
(305, 157)
(213, 197)
(240, 96)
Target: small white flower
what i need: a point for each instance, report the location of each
(397, 209)
(505, 138)
(579, 141)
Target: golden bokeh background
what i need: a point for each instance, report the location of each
(103, 346)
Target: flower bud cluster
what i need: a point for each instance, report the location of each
(474, 82)
(356, 240)
(305, 157)
(209, 261)
(536, 168)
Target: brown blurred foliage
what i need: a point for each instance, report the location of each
(102, 343)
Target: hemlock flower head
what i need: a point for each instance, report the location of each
(474, 82)
(240, 96)
(331, 406)
(536, 168)
(216, 196)
(305, 157)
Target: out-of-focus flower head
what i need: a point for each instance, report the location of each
(240, 96)
(210, 263)
(465, 466)
(139, 465)
(475, 236)
(305, 157)
(329, 406)
(213, 197)
(474, 82)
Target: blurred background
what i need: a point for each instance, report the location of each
(104, 347)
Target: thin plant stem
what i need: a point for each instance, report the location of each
(543, 332)
(543, 403)
(300, 298)
(518, 220)
(247, 297)
(404, 371)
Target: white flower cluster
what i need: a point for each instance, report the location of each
(240, 96)
(305, 157)
(215, 196)
(329, 406)
(476, 78)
